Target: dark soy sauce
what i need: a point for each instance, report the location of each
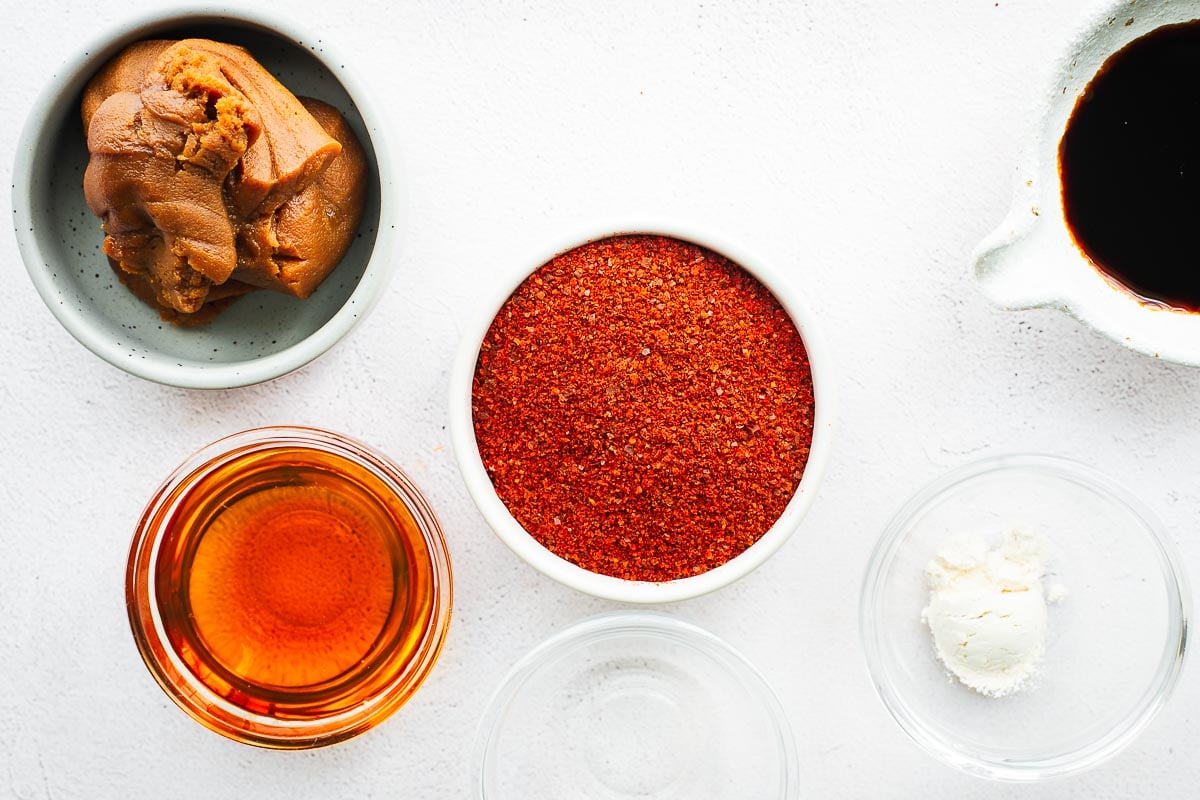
(1130, 167)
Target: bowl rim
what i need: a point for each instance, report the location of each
(506, 527)
(1030, 258)
(191, 694)
(1114, 740)
(615, 624)
(392, 198)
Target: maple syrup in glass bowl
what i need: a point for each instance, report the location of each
(288, 587)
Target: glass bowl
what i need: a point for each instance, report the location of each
(634, 704)
(288, 587)
(1115, 643)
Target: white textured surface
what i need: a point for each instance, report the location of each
(863, 148)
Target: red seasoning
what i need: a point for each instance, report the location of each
(643, 407)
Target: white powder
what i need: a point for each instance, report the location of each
(987, 610)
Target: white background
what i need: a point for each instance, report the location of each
(861, 148)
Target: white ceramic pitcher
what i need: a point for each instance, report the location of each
(1030, 260)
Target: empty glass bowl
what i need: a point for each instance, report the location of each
(634, 704)
(1114, 647)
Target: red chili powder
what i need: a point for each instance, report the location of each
(644, 407)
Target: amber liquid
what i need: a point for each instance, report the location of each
(294, 583)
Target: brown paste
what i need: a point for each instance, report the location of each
(213, 180)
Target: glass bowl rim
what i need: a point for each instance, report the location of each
(190, 693)
(1125, 730)
(614, 624)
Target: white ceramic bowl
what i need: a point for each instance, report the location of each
(1114, 647)
(1030, 260)
(261, 336)
(462, 431)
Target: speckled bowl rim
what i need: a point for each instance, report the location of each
(506, 527)
(375, 276)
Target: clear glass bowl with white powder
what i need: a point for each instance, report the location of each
(1113, 647)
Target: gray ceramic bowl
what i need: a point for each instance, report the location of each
(261, 336)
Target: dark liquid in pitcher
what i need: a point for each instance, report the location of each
(1130, 167)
